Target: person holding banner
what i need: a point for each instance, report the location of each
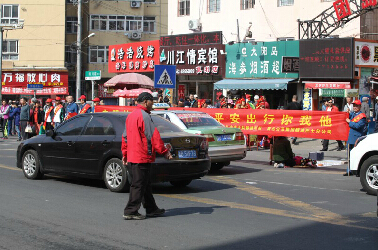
(84, 107)
(71, 108)
(357, 123)
(58, 117)
(332, 108)
(49, 114)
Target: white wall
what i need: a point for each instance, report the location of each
(269, 21)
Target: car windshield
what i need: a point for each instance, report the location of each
(192, 120)
(161, 124)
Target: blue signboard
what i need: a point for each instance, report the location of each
(35, 86)
(165, 76)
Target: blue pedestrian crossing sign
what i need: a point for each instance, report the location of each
(165, 76)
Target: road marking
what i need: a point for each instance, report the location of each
(7, 149)
(265, 210)
(287, 170)
(6, 167)
(369, 215)
(7, 156)
(293, 185)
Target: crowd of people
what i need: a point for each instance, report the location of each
(25, 119)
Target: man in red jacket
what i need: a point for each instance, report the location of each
(140, 141)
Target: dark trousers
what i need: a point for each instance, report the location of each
(289, 162)
(10, 126)
(23, 125)
(48, 127)
(140, 189)
(3, 125)
(326, 142)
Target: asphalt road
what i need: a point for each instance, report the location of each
(248, 205)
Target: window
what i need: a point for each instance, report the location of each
(213, 6)
(164, 126)
(198, 120)
(149, 24)
(116, 23)
(247, 4)
(285, 3)
(71, 25)
(184, 8)
(71, 55)
(149, 1)
(285, 39)
(98, 54)
(73, 127)
(10, 50)
(99, 126)
(9, 14)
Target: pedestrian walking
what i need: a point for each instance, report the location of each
(4, 115)
(294, 105)
(37, 117)
(357, 123)
(143, 140)
(58, 116)
(366, 110)
(15, 115)
(10, 127)
(24, 117)
(331, 108)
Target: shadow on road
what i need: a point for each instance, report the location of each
(233, 170)
(190, 210)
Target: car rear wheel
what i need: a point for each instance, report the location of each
(182, 183)
(369, 175)
(217, 166)
(31, 165)
(116, 176)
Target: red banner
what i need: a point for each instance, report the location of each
(327, 85)
(133, 57)
(54, 83)
(305, 124)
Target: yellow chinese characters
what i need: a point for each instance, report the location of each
(234, 118)
(268, 117)
(286, 120)
(219, 117)
(305, 120)
(325, 121)
(251, 119)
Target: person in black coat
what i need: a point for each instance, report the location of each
(294, 105)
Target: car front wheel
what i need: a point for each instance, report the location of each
(115, 176)
(369, 175)
(31, 165)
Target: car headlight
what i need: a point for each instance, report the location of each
(360, 139)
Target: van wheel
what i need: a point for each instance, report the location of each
(369, 175)
(31, 165)
(116, 176)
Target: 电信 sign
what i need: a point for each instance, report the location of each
(133, 57)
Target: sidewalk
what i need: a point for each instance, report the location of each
(302, 148)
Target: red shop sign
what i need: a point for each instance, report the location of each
(327, 85)
(133, 57)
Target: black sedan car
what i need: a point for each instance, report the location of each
(89, 146)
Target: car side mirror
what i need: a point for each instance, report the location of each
(50, 133)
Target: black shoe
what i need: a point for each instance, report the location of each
(324, 149)
(156, 213)
(346, 174)
(136, 216)
(294, 141)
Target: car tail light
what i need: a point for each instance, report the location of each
(239, 136)
(204, 145)
(209, 137)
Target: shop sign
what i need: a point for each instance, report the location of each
(327, 85)
(342, 7)
(262, 60)
(192, 39)
(332, 92)
(307, 99)
(326, 58)
(133, 57)
(366, 54)
(16, 82)
(351, 93)
(194, 59)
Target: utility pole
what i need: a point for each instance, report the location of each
(78, 50)
(237, 23)
(6, 26)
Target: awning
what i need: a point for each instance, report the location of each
(249, 84)
(327, 85)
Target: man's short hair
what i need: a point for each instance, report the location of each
(221, 96)
(144, 96)
(24, 98)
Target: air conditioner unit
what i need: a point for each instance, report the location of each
(135, 4)
(194, 24)
(135, 35)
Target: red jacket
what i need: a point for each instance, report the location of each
(141, 138)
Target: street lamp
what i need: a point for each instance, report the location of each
(78, 60)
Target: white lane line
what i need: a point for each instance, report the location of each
(293, 185)
(8, 149)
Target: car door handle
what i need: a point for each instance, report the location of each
(104, 143)
(70, 143)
